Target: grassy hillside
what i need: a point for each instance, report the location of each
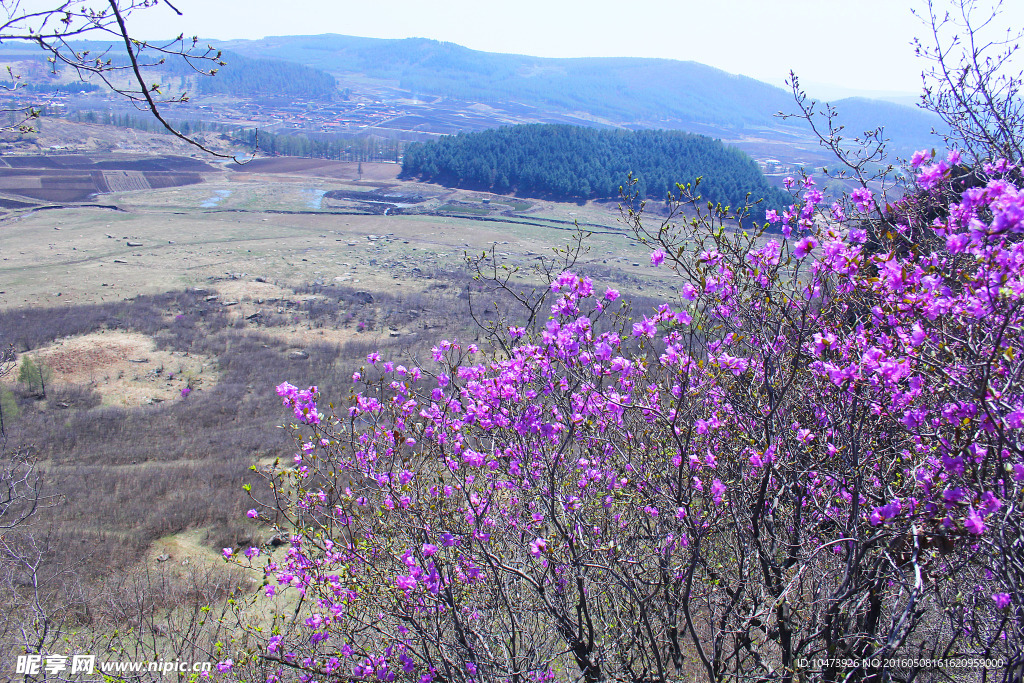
(622, 92)
(243, 77)
(625, 91)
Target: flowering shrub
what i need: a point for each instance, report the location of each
(809, 462)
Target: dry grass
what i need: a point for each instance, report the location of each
(125, 368)
(82, 254)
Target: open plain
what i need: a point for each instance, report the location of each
(165, 316)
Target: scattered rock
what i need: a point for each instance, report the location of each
(135, 244)
(298, 355)
(212, 297)
(163, 558)
(229, 303)
(117, 260)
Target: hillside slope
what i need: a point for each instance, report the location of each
(631, 92)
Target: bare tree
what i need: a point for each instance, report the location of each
(974, 78)
(19, 483)
(125, 67)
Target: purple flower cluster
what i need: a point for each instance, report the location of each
(870, 401)
(303, 403)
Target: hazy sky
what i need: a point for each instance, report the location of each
(857, 44)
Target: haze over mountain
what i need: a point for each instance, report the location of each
(630, 92)
(423, 88)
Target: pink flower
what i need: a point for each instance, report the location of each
(657, 257)
(717, 490)
(227, 552)
(804, 246)
(473, 458)
(919, 158)
(645, 328)
(537, 546)
(225, 666)
(862, 198)
(611, 295)
(930, 176)
(1000, 166)
(1002, 600)
(974, 523)
(252, 514)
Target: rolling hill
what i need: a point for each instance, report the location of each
(627, 92)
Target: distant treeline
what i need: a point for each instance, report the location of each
(309, 145)
(574, 163)
(366, 148)
(245, 77)
(61, 88)
(146, 123)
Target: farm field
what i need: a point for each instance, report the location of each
(158, 308)
(273, 223)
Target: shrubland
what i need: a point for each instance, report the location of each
(806, 465)
(105, 482)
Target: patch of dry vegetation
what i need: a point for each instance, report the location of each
(125, 368)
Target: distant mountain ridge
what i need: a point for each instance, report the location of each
(629, 92)
(626, 92)
(241, 76)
